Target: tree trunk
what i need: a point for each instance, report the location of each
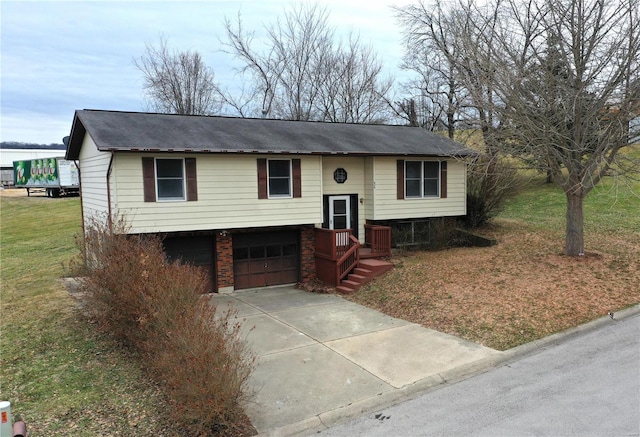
(574, 244)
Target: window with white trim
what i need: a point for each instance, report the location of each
(279, 177)
(170, 180)
(422, 179)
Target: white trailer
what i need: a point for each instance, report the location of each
(56, 176)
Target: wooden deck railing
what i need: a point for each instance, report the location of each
(378, 238)
(348, 260)
(336, 254)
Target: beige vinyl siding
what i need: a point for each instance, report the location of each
(387, 206)
(355, 183)
(369, 177)
(227, 196)
(93, 180)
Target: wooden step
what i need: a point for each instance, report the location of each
(360, 279)
(350, 284)
(364, 272)
(376, 265)
(344, 290)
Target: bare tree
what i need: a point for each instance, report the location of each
(431, 54)
(436, 100)
(302, 73)
(303, 43)
(442, 46)
(177, 82)
(565, 87)
(355, 90)
(556, 82)
(287, 75)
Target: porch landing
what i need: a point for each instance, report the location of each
(368, 253)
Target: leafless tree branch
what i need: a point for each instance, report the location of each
(177, 82)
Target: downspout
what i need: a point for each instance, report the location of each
(77, 162)
(109, 218)
(84, 240)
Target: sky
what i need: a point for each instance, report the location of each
(60, 56)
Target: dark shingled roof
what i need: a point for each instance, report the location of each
(136, 131)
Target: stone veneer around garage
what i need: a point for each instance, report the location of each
(224, 261)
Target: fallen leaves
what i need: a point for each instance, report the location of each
(512, 293)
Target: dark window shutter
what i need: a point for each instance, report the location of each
(262, 178)
(297, 178)
(149, 179)
(400, 179)
(443, 179)
(353, 198)
(325, 211)
(192, 181)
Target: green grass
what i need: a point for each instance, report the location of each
(611, 206)
(60, 375)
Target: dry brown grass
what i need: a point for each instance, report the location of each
(13, 192)
(515, 292)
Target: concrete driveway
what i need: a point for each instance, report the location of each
(586, 384)
(322, 358)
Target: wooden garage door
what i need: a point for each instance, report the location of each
(267, 258)
(195, 250)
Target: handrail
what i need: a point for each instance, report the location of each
(349, 260)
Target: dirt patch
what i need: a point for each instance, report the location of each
(22, 192)
(509, 294)
(13, 192)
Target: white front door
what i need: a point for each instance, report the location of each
(339, 212)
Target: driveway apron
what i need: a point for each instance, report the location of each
(321, 358)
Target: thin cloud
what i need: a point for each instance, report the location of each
(59, 56)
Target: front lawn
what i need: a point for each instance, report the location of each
(523, 288)
(60, 376)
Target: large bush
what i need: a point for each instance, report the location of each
(157, 308)
(490, 182)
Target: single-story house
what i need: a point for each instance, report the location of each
(261, 202)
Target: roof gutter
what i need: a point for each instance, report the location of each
(453, 154)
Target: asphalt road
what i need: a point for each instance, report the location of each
(587, 385)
